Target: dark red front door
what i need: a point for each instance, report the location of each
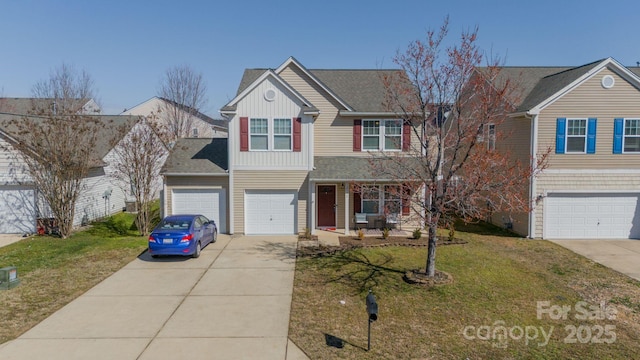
(326, 205)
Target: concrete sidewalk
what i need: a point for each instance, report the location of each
(620, 255)
(231, 303)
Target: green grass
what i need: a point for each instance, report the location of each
(498, 280)
(54, 271)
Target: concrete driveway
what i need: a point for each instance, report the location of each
(231, 303)
(6, 239)
(620, 255)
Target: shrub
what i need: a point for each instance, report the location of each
(360, 234)
(417, 233)
(119, 223)
(385, 233)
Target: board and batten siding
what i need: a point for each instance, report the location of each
(591, 100)
(285, 105)
(269, 180)
(193, 182)
(583, 182)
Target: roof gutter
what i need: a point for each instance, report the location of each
(193, 174)
(367, 113)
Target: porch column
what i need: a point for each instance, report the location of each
(347, 209)
(312, 207)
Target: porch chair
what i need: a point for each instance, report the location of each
(392, 220)
(361, 221)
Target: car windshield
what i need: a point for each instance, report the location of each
(175, 224)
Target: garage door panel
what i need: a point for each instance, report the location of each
(208, 202)
(592, 216)
(17, 210)
(270, 212)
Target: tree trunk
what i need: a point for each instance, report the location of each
(431, 251)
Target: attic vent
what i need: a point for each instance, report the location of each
(269, 94)
(608, 81)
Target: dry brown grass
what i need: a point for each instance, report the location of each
(496, 278)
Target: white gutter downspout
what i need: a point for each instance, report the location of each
(532, 182)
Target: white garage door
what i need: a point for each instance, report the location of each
(17, 210)
(208, 202)
(592, 216)
(270, 212)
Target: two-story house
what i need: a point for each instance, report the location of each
(299, 140)
(588, 119)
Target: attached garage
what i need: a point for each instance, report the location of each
(208, 202)
(17, 210)
(270, 212)
(592, 216)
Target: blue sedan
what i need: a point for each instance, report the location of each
(182, 235)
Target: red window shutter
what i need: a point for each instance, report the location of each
(406, 201)
(357, 135)
(406, 135)
(357, 203)
(244, 134)
(297, 134)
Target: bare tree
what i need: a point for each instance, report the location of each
(138, 159)
(184, 92)
(55, 142)
(455, 109)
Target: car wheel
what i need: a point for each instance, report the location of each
(198, 249)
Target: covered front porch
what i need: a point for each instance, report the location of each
(345, 197)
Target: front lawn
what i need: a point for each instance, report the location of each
(54, 271)
(500, 282)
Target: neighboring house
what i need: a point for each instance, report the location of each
(201, 125)
(299, 140)
(38, 106)
(589, 117)
(20, 204)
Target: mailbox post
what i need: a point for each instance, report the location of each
(372, 310)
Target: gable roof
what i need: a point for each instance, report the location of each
(358, 90)
(110, 129)
(259, 78)
(540, 86)
(220, 123)
(197, 156)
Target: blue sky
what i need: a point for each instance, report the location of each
(126, 45)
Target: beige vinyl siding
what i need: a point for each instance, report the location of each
(285, 105)
(269, 180)
(193, 182)
(588, 182)
(591, 100)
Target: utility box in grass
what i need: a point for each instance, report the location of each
(9, 278)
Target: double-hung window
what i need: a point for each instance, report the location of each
(384, 135)
(392, 199)
(487, 133)
(631, 135)
(282, 134)
(371, 200)
(259, 134)
(576, 135)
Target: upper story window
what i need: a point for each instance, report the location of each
(631, 135)
(259, 134)
(385, 135)
(487, 134)
(576, 135)
(282, 134)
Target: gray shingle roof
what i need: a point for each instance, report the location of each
(204, 117)
(360, 168)
(197, 156)
(363, 90)
(36, 106)
(109, 130)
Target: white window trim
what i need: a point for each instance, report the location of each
(271, 134)
(381, 199)
(624, 136)
(381, 135)
(290, 135)
(485, 133)
(567, 136)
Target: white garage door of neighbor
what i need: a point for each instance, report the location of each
(17, 210)
(592, 216)
(270, 212)
(208, 202)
